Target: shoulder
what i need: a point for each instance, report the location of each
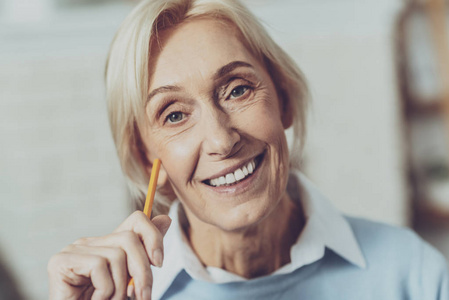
(402, 253)
(376, 234)
(390, 241)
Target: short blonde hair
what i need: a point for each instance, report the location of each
(127, 78)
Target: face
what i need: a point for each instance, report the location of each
(214, 120)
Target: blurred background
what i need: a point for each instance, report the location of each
(378, 133)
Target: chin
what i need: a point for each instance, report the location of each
(244, 217)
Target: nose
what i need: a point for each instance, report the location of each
(220, 138)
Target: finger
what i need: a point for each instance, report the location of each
(72, 269)
(147, 231)
(144, 292)
(130, 291)
(117, 264)
(136, 256)
(162, 223)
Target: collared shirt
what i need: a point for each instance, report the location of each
(325, 228)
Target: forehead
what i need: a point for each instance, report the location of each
(195, 48)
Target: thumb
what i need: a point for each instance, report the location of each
(162, 223)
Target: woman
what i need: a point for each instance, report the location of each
(200, 85)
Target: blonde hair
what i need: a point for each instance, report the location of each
(127, 78)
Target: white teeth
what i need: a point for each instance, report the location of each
(222, 180)
(250, 168)
(238, 174)
(230, 178)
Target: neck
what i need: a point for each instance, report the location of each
(252, 252)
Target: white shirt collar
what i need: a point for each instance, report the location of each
(325, 227)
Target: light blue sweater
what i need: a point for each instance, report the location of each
(399, 266)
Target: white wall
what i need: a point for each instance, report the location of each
(59, 176)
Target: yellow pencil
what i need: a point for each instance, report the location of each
(150, 194)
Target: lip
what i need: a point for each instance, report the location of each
(232, 169)
(241, 185)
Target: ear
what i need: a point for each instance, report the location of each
(286, 109)
(162, 179)
(148, 158)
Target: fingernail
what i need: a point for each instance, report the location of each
(165, 229)
(158, 257)
(146, 293)
(130, 291)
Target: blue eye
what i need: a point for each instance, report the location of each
(238, 91)
(175, 117)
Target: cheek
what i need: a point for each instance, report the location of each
(179, 157)
(271, 131)
(264, 123)
(263, 117)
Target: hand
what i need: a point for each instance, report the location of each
(100, 267)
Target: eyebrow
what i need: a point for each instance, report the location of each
(230, 67)
(163, 89)
(218, 74)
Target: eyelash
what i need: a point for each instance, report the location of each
(247, 87)
(172, 113)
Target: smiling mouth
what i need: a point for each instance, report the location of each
(237, 175)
